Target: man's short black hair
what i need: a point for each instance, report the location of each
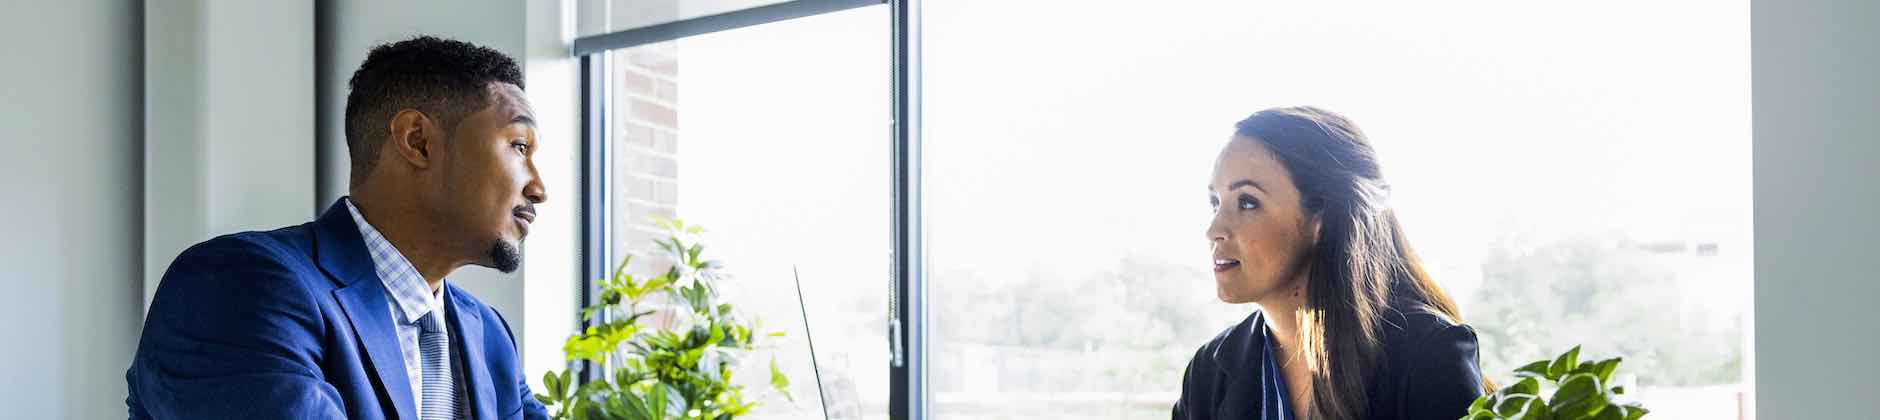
(445, 79)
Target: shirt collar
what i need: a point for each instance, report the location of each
(409, 293)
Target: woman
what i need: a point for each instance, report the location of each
(1349, 325)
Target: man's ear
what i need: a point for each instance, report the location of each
(412, 135)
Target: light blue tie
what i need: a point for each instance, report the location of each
(439, 387)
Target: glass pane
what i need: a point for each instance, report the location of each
(620, 15)
(773, 138)
(1572, 175)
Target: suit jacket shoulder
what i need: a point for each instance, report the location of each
(1428, 368)
(236, 315)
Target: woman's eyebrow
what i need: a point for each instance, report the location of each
(1246, 183)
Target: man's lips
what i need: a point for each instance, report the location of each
(524, 217)
(1224, 264)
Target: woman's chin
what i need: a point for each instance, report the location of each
(1229, 297)
(1227, 288)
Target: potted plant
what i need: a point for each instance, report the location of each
(662, 347)
(1560, 389)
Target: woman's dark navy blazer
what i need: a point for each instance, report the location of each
(1427, 370)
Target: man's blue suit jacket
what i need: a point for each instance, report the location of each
(294, 323)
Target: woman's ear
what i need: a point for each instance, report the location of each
(411, 137)
(1314, 212)
(1313, 226)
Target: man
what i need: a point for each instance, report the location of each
(350, 316)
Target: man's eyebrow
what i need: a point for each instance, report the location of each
(523, 119)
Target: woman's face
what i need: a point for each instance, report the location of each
(1261, 235)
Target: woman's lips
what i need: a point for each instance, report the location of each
(1223, 264)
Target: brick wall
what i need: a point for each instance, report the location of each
(645, 146)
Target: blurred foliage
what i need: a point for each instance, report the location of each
(1602, 292)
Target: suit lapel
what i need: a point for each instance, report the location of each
(342, 255)
(365, 305)
(464, 317)
(1242, 393)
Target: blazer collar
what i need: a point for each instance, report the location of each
(339, 249)
(1239, 354)
(1240, 358)
(341, 253)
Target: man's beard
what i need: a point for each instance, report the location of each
(505, 256)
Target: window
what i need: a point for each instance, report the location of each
(606, 16)
(772, 138)
(1572, 174)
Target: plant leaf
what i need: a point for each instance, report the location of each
(1564, 365)
(1480, 405)
(580, 409)
(661, 371)
(675, 406)
(1528, 386)
(631, 406)
(564, 381)
(620, 270)
(1633, 411)
(1578, 395)
(1513, 405)
(553, 382)
(1610, 412)
(1537, 410)
(1533, 370)
(779, 381)
(1604, 369)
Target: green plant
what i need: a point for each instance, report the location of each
(680, 367)
(1578, 391)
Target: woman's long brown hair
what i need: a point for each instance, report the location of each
(1362, 265)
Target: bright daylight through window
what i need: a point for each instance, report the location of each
(1567, 184)
(771, 138)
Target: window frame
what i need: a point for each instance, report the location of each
(907, 305)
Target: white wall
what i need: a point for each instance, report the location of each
(117, 159)
(70, 121)
(551, 266)
(229, 127)
(1816, 87)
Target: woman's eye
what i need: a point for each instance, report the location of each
(520, 146)
(1248, 203)
(1214, 203)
